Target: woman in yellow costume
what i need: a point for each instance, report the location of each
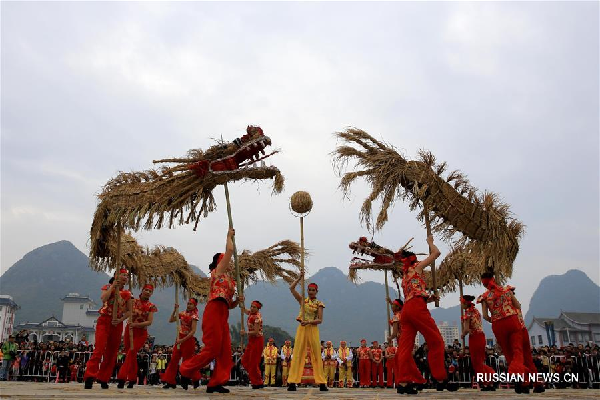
(307, 335)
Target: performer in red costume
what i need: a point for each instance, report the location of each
(502, 304)
(416, 318)
(471, 325)
(376, 365)
(254, 348)
(143, 315)
(364, 364)
(538, 386)
(109, 329)
(185, 345)
(391, 352)
(215, 328)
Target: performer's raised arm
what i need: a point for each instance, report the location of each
(294, 291)
(223, 264)
(433, 255)
(174, 315)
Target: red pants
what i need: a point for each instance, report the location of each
(416, 318)
(217, 345)
(251, 359)
(185, 351)
(364, 372)
(108, 340)
(129, 369)
(509, 335)
(527, 357)
(390, 364)
(477, 349)
(417, 377)
(376, 374)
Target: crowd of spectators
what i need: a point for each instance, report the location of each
(64, 361)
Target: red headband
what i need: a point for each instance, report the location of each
(363, 340)
(407, 262)
(194, 301)
(314, 285)
(256, 304)
(271, 339)
(148, 286)
(123, 271)
(396, 302)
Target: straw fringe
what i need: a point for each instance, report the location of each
(167, 196)
(459, 212)
(164, 266)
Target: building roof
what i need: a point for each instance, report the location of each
(59, 327)
(582, 318)
(77, 298)
(92, 312)
(559, 324)
(6, 300)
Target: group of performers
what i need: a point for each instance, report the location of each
(411, 316)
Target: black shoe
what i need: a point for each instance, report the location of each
(258, 386)
(451, 386)
(89, 382)
(323, 387)
(291, 387)
(440, 386)
(525, 389)
(217, 389)
(103, 385)
(539, 389)
(184, 382)
(408, 389)
(130, 385)
(196, 384)
(169, 386)
(419, 386)
(120, 384)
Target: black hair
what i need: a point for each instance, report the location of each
(406, 254)
(399, 301)
(258, 303)
(111, 280)
(468, 297)
(214, 262)
(487, 275)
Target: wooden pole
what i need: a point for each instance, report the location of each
(240, 284)
(387, 296)
(302, 266)
(131, 315)
(117, 273)
(460, 288)
(428, 227)
(177, 321)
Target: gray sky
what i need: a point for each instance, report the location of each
(505, 92)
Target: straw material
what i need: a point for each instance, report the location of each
(301, 202)
(169, 196)
(162, 266)
(268, 264)
(456, 208)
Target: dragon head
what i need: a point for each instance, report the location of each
(379, 257)
(241, 153)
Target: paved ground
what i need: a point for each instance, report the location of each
(31, 390)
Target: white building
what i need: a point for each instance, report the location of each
(449, 332)
(7, 316)
(569, 327)
(78, 319)
(79, 310)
